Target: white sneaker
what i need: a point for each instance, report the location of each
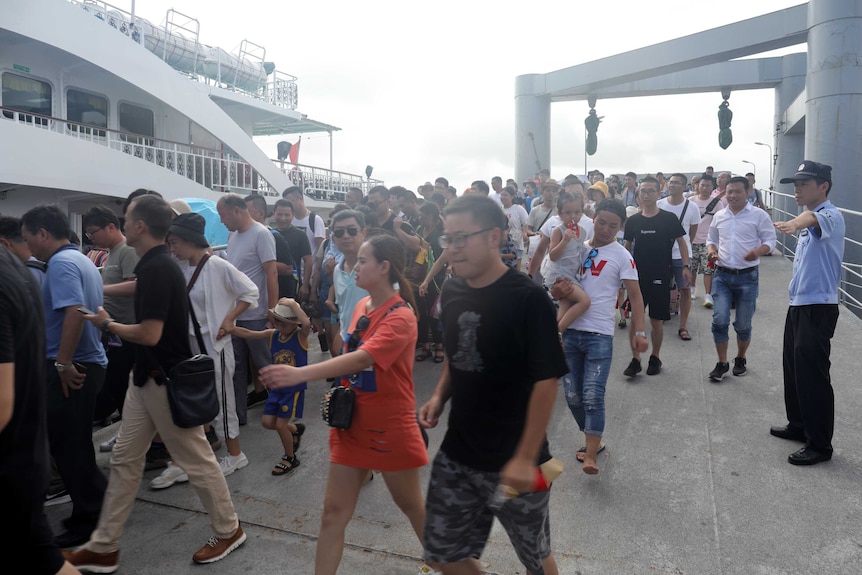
(172, 474)
(230, 463)
(425, 570)
(707, 301)
(107, 446)
(693, 292)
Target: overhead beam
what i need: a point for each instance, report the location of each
(754, 74)
(780, 29)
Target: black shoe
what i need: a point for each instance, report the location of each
(788, 432)
(257, 397)
(324, 345)
(654, 366)
(809, 456)
(633, 369)
(719, 372)
(68, 539)
(739, 366)
(157, 457)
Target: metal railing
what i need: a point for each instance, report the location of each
(324, 184)
(851, 272)
(213, 169)
(276, 88)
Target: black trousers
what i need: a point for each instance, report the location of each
(70, 436)
(808, 396)
(121, 360)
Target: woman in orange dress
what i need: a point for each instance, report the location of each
(384, 434)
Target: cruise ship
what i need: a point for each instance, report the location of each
(97, 102)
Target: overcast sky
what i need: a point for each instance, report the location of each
(427, 90)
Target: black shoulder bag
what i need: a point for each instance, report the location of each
(336, 407)
(191, 385)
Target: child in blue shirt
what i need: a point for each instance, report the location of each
(288, 343)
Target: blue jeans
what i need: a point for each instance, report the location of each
(588, 356)
(727, 288)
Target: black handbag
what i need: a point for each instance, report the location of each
(336, 407)
(192, 393)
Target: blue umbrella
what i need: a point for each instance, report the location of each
(215, 231)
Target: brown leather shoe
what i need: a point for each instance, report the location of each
(216, 549)
(86, 560)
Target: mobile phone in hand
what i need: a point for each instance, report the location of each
(80, 367)
(86, 311)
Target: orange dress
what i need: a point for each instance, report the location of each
(384, 434)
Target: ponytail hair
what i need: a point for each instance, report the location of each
(389, 248)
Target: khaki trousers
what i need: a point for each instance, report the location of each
(145, 412)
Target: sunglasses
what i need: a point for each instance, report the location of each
(339, 233)
(588, 263)
(356, 337)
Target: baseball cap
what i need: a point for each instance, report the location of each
(808, 170)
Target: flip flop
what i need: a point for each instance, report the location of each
(684, 335)
(579, 454)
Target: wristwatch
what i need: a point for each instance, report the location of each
(640, 334)
(105, 325)
(61, 367)
(686, 266)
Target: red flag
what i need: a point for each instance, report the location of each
(293, 156)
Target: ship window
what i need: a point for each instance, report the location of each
(136, 120)
(27, 95)
(86, 108)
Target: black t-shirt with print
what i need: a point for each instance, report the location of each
(160, 294)
(652, 243)
(500, 340)
(24, 441)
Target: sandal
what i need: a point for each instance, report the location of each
(423, 354)
(579, 454)
(282, 469)
(439, 356)
(622, 323)
(683, 334)
(300, 429)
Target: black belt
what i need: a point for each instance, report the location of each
(734, 272)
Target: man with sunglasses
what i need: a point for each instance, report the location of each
(503, 360)
(650, 237)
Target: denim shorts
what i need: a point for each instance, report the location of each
(678, 277)
(741, 289)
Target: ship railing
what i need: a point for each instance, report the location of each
(275, 87)
(779, 205)
(323, 184)
(214, 169)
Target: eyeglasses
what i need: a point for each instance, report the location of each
(339, 233)
(459, 240)
(588, 263)
(356, 337)
(93, 233)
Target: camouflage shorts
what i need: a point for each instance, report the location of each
(458, 517)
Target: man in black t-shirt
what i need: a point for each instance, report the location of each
(24, 457)
(162, 339)
(300, 248)
(503, 360)
(650, 236)
(283, 258)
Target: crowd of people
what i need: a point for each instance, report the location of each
(510, 289)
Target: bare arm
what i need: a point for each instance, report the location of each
(559, 241)
(519, 471)
(271, 272)
(429, 414)
(806, 219)
(123, 289)
(636, 302)
(274, 376)
(251, 334)
(539, 255)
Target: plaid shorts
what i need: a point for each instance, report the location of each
(458, 516)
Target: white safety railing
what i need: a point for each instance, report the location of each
(213, 169)
(179, 47)
(850, 288)
(326, 185)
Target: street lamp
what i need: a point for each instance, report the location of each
(753, 167)
(771, 161)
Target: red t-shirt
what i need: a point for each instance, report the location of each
(384, 434)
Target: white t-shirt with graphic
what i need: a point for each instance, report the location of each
(609, 268)
(517, 217)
